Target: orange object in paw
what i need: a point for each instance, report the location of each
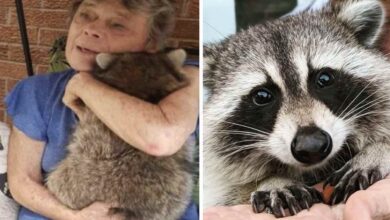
(327, 193)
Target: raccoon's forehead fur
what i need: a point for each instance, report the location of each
(147, 76)
(285, 56)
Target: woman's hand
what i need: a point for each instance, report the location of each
(71, 96)
(370, 204)
(244, 212)
(96, 211)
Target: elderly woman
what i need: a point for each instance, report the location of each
(44, 108)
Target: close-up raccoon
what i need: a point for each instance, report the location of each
(296, 101)
(100, 166)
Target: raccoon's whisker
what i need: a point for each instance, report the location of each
(342, 104)
(242, 148)
(246, 133)
(369, 104)
(369, 113)
(245, 126)
(358, 106)
(361, 92)
(233, 146)
(357, 111)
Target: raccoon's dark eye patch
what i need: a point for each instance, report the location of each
(262, 96)
(325, 78)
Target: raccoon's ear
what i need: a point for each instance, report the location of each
(104, 59)
(208, 77)
(364, 17)
(177, 57)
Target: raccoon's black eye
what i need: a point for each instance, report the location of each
(324, 78)
(262, 97)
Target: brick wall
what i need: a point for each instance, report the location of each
(46, 20)
(386, 35)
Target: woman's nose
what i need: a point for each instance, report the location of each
(92, 30)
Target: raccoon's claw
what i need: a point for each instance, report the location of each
(295, 198)
(346, 182)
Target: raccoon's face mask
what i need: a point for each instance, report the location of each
(301, 90)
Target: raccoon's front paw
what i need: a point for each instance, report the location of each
(347, 181)
(295, 198)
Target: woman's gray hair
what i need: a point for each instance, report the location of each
(161, 17)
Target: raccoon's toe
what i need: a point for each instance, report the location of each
(294, 198)
(347, 181)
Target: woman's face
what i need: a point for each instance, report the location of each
(104, 26)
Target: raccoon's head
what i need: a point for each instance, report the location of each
(144, 75)
(302, 90)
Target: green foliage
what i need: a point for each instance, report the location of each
(57, 56)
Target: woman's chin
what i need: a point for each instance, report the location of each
(81, 67)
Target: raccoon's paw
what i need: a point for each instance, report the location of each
(347, 181)
(295, 198)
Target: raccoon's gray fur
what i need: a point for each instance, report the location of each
(100, 166)
(297, 101)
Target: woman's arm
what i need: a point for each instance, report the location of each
(25, 177)
(158, 129)
(26, 182)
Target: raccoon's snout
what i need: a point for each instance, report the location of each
(311, 145)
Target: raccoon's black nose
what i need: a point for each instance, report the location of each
(311, 145)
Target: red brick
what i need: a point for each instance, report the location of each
(8, 120)
(50, 4)
(193, 9)
(189, 44)
(40, 69)
(181, 7)
(39, 55)
(3, 15)
(48, 36)
(2, 115)
(188, 29)
(2, 92)
(11, 84)
(26, 4)
(43, 18)
(12, 70)
(188, 9)
(11, 34)
(4, 52)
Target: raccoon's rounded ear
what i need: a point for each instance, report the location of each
(364, 17)
(104, 59)
(177, 57)
(209, 51)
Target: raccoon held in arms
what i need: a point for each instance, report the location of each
(296, 101)
(100, 166)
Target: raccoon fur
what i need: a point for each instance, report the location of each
(100, 166)
(297, 101)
